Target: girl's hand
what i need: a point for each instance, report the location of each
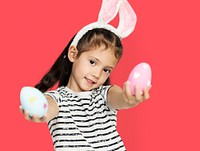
(33, 118)
(138, 98)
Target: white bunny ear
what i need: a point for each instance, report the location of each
(109, 10)
(127, 19)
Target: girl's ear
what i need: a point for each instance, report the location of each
(72, 53)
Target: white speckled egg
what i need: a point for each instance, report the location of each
(33, 101)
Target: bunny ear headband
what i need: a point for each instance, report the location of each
(108, 11)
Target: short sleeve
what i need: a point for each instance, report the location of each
(55, 95)
(104, 93)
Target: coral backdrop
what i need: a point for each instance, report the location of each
(33, 34)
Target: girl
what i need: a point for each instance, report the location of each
(82, 111)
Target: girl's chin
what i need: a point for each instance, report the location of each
(89, 87)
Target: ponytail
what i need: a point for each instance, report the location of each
(59, 72)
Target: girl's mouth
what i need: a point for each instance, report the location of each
(90, 81)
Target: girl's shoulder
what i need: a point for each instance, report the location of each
(102, 89)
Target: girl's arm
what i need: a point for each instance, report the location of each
(122, 98)
(51, 112)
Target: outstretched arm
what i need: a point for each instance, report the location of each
(122, 98)
(51, 113)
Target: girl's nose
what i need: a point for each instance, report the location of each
(97, 73)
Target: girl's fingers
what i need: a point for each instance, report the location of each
(138, 95)
(27, 115)
(21, 109)
(44, 118)
(128, 93)
(37, 119)
(33, 118)
(148, 88)
(127, 89)
(125, 92)
(146, 93)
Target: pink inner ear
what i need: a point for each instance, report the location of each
(127, 19)
(109, 10)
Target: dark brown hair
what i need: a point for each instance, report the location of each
(61, 69)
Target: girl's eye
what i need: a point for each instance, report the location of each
(107, 71)
(92, 62)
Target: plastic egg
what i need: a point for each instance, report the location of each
(33, 101)
(140, 76)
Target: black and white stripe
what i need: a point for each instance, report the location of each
(84, 122)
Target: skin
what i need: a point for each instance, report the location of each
(90, 70)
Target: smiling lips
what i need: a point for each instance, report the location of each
(90, 81)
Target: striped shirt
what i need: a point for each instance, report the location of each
(85, 122)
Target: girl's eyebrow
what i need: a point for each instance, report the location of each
(100, 61)
(110, 67)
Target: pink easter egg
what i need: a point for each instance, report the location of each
(140, 76)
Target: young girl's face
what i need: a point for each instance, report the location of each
(91, 69)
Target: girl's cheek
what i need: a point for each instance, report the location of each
(105, 76)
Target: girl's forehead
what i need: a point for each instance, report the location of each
(101, 50)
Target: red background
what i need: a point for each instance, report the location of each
(33, 34)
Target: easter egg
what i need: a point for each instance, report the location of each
(140, 76)
(33, 101)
